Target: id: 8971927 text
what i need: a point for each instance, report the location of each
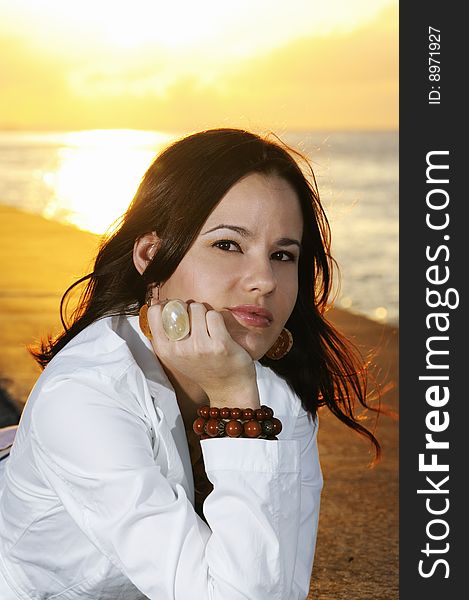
(434, 75)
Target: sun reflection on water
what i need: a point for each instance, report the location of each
(97, 175)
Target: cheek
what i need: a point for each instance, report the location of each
(180, 284)
(288, 296)
(193, 280)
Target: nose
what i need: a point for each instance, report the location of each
(260, 277)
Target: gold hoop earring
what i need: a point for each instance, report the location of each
(143, 312)
(281, 346)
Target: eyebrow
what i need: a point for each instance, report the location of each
(246, 233)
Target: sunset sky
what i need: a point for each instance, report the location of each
(151, 64)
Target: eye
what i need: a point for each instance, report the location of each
(284, 256)
(227, 246)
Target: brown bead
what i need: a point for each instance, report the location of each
(198, 426)
(204, 411)
(236, 413)
(269, 413)
(211, 427)
(260, 414)
(248, 414)
(277, 426)
(233, 429)
(252, 429)
(214, 412)
(225, 413)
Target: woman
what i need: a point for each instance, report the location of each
(144, 465)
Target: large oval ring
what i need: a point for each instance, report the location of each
(176, 323)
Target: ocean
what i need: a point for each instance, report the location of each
(88, 178)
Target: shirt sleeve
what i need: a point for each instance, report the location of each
(311, 486)
(264, 512)
(96, 453)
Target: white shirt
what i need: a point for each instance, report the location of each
(98, 491)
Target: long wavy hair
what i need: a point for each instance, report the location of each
(175, 197)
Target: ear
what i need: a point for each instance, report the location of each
(145, 248)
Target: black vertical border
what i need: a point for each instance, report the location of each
(424, 128)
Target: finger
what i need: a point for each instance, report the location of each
(197, 318)
(216, 325)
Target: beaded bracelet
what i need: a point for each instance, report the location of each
(236, 422)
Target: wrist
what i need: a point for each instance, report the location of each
(241, 396)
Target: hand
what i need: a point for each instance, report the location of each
(209, 357)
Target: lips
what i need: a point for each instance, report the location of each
(252, 315)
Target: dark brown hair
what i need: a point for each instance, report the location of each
(177, 194)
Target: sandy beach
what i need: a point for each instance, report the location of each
(357, 548)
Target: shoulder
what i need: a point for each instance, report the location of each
(93, 374)
(98, 347)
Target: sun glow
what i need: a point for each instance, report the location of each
(98, 175)
(152, 64)
(219, 26)
(164, 24)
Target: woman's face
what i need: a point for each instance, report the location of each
(245, 261)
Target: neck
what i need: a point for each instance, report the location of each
(189, 395)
